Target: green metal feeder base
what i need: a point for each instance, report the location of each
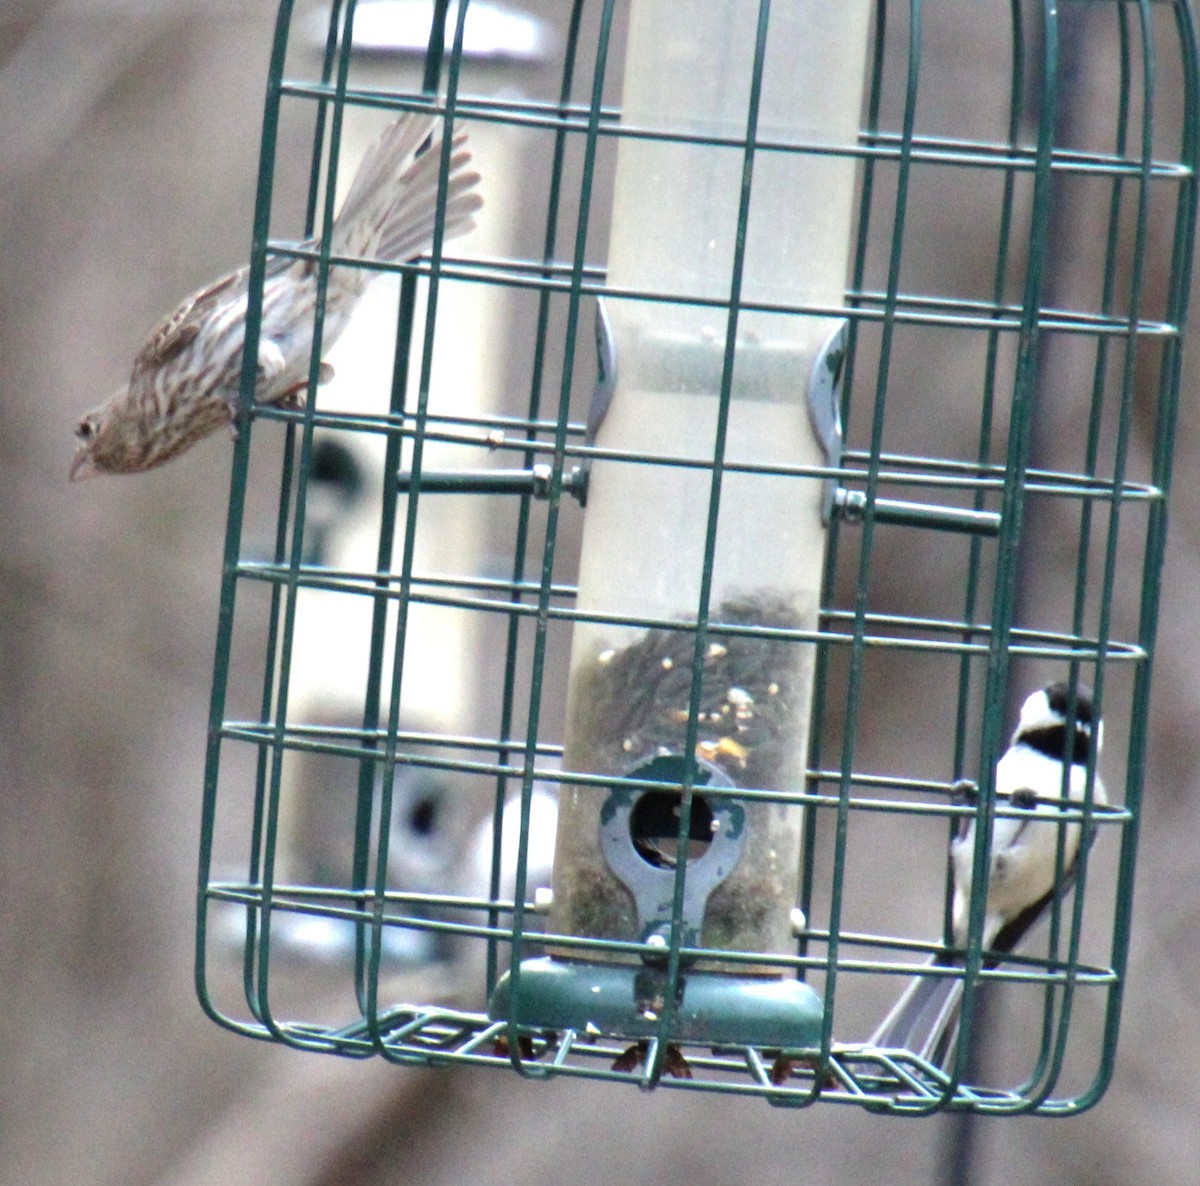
(619, 1000)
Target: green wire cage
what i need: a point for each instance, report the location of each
(665, 554)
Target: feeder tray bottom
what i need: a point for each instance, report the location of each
(620, 1000)
(889, 1082)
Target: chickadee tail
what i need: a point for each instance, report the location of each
(924, 1020)
(391, 210)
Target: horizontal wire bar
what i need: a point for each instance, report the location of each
(375, 737)
(970, 477)
(1040, 644)
(1017, 968)
(864, 306)
(943, 473)
(306, 739)
(877, 146)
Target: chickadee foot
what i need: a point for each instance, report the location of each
(783, 1068)
(674, 1063)
(632, 1058)
(524, 1045)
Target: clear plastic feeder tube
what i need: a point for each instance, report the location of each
(674, 238)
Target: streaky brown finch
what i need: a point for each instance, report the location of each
(185, 382)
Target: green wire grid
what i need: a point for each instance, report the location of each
(982, 648)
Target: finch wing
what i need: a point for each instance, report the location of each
(184, 324)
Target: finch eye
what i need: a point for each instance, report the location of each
(85, 430)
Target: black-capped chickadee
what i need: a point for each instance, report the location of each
(1023, 860)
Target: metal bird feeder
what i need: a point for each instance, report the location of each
(715, 506)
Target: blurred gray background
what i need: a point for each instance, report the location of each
(128, 151)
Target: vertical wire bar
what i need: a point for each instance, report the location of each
(1016, 106)
(1099, 381)
(412, 508)
(287, 476)
(280, 550)
(542, 618)
(262, 762)
(508, 694)
(1012, 507)
(291, 583)
(670, 1009)
(323, 102)
(1072, 41)
(866, 545)
(237, 499)
(1176, 315)
(821, 667)
(1050, 1061)
(960, 1135)
(373, 693)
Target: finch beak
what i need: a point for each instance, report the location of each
(82, 466)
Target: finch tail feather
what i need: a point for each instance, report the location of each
(390, 212)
